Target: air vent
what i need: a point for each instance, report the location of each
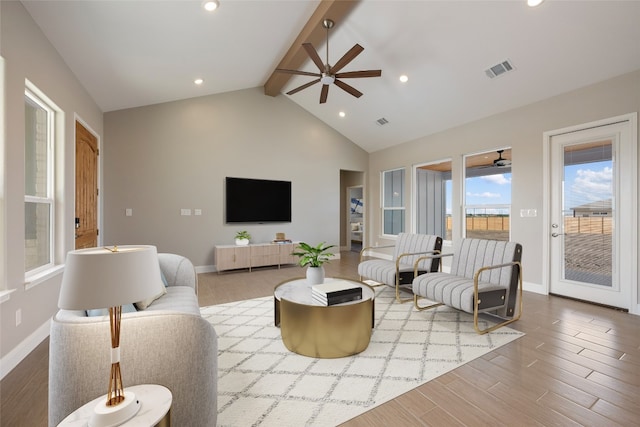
(499, 69)
(382, 121)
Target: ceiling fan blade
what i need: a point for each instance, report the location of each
(323, 94)
(349, 89)
(302, 73)
(313, 54)
(304, 86)
(346, 58)
(352, 74)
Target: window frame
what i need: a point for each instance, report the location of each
(383, 201)
(49, 200)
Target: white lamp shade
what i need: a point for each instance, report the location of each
(100, 277)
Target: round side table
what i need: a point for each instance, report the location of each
(155, 405)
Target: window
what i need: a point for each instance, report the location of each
(393, 202)
(487, 200)
(39, 184)
(433, 199)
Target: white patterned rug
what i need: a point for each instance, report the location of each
(261, 383)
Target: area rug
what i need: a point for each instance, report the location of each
(261, 383)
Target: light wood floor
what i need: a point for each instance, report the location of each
(578, 364)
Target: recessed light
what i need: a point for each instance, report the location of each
(534, 3)
(198, 81)
(342, 114)
(404, 78)
(210, 5)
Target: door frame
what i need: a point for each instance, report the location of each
(632, 119)
(78, 119)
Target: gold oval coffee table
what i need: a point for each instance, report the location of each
(309, 328)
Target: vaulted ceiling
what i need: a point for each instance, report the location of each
(132, 53)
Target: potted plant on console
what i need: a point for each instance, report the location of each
(242, 238)
(313, 257)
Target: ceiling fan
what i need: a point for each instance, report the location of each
(330, 74)
(500, 162)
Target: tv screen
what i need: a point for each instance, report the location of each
(257, 200)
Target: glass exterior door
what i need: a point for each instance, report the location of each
(590, 208)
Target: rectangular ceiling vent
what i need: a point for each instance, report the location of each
(382, 121)
(499, 69)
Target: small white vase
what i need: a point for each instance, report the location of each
(315, 275)
(242, 242)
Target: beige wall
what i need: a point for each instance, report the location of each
(522, 129)
(29, 55)
(163, 158)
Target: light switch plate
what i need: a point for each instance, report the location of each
(185, 212)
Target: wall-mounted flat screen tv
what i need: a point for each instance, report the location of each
(257, 200)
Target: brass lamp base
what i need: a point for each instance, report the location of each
(111, 416)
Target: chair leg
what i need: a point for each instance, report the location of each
(398, 299)
(416, 298)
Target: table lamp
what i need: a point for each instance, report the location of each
(103, 277)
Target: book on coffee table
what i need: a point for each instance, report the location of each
(339, 299)
(336, 292)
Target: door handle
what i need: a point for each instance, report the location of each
(556, 234)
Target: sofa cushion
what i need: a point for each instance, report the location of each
(177, 298)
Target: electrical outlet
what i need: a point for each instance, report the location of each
(197, 211)
(18, 316)
(185, 212)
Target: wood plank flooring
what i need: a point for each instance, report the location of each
(578, 364)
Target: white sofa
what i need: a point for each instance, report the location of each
(168, 343)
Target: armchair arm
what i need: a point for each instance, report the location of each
(363, 250)
(438, 255)
(492, 267)
(436, 252)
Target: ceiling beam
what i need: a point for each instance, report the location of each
(313, 33)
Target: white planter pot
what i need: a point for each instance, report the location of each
(315, 275)
(242, 242)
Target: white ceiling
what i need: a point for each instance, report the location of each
(135, 53)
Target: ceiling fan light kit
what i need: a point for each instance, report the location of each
(328, 74)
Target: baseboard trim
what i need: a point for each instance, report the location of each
(534, 287)
(22, 350)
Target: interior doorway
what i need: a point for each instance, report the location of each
(592, 193)
(356, 218)
(352, 210)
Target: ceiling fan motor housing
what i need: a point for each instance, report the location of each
(327, 79)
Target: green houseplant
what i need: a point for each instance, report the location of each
(313, 257)
(242, 238)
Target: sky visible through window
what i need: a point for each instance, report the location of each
(587, 183)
